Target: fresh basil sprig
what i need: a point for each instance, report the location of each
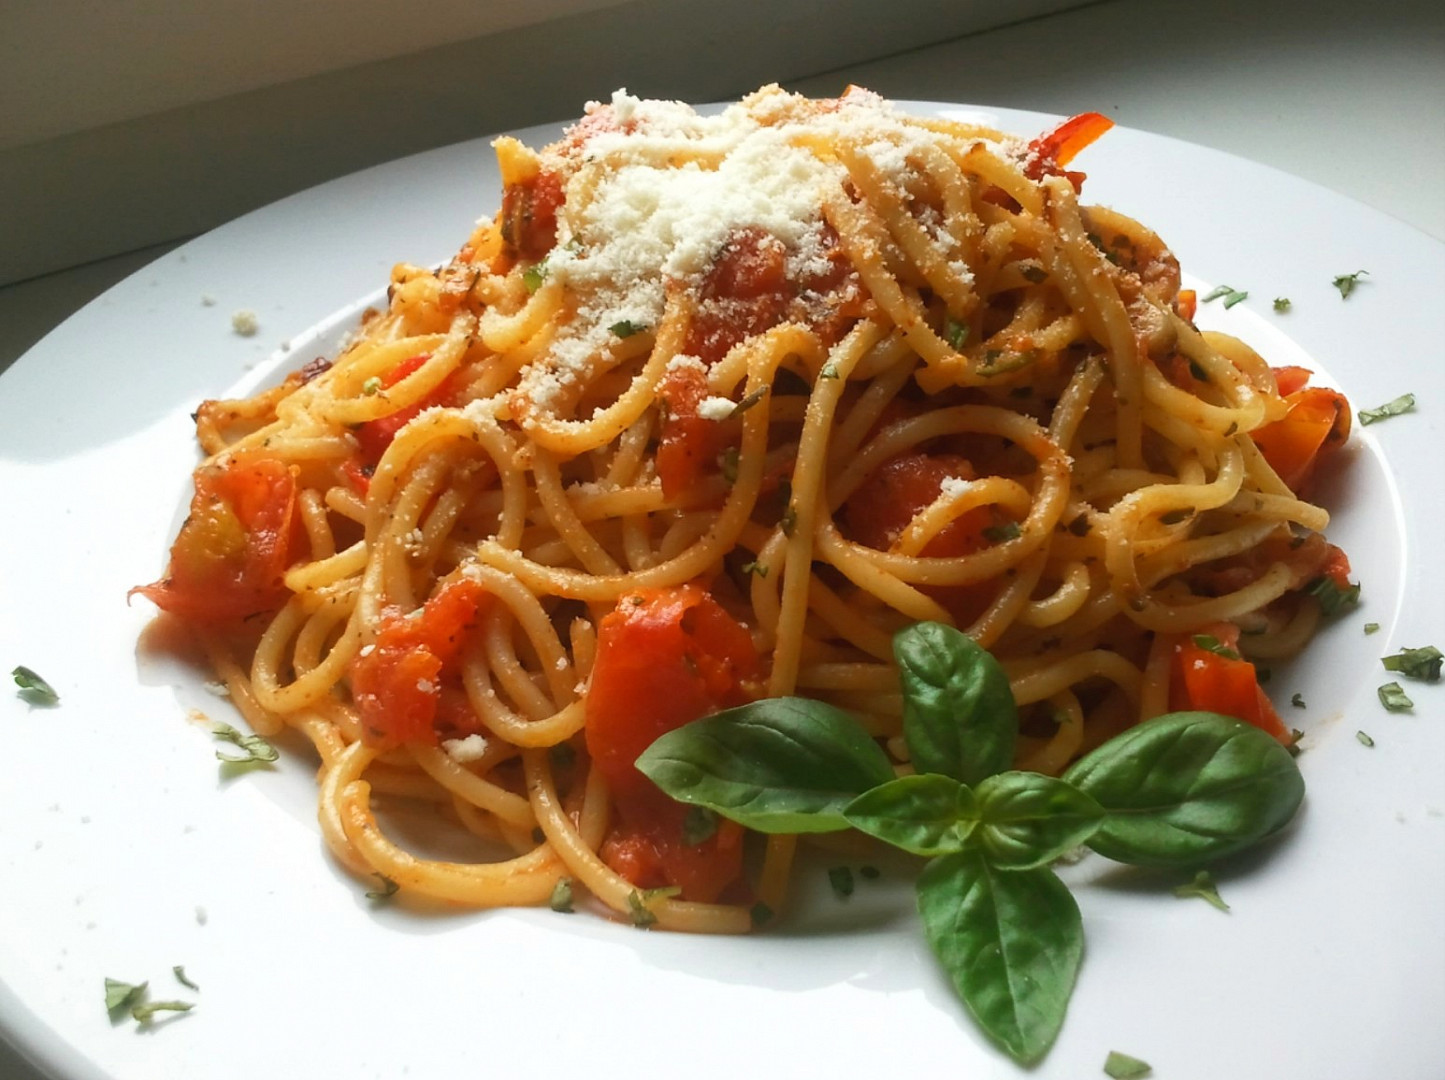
(1177, 790)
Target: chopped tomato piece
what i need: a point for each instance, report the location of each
(241, 534)
(1317, 423)
(647, 849)
(1186, 304)
(374, 436)
(1205, 680)
(529, 215)
(664, 657)
(884, 504)
(400, 685)
(689, 444)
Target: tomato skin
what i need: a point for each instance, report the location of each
(1051, 151)
(1317, 424)
(665, 657)
(399, 686)
(241, 534)
(1202, 680)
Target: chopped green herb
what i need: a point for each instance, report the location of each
(1204, 888)
(1372, 628)
(1198, 372)
(1346, 283)
(33, 688)
(956, 333)
(841, 879)
(1293, 746)
(870, 873)
(637, 910)
(789, 521)
(144, 1012)
(1080, 525)
(828, 371)
(1298, 701)
(372, 386)
(1281, 303)
(761, 914)
(626, 328)
(1231, 295)
(755, 567)
(1119, 1066)
(748, 402)
(698, 824)
(1422, 663)
(1364, 739)
(638, 904)
(1210, 643)
(387, 890)
(180, 973)
(1400, 405)
(122, 995)
(1331, 597)
(728, 463)
(998, 534)
(561, 899)
(534, 275)
(1393, 697)
(257, 750)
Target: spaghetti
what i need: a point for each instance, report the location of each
(710, 410)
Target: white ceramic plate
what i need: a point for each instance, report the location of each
(125, 853)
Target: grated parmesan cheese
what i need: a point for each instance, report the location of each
(464, 751)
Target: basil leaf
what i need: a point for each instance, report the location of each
(926, 814)
(959, 717)
(1028, 819)
(1188, 787)
(1010, 942)
(1422, 663)
(779, 765)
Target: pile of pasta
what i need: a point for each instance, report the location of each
(710, 410)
